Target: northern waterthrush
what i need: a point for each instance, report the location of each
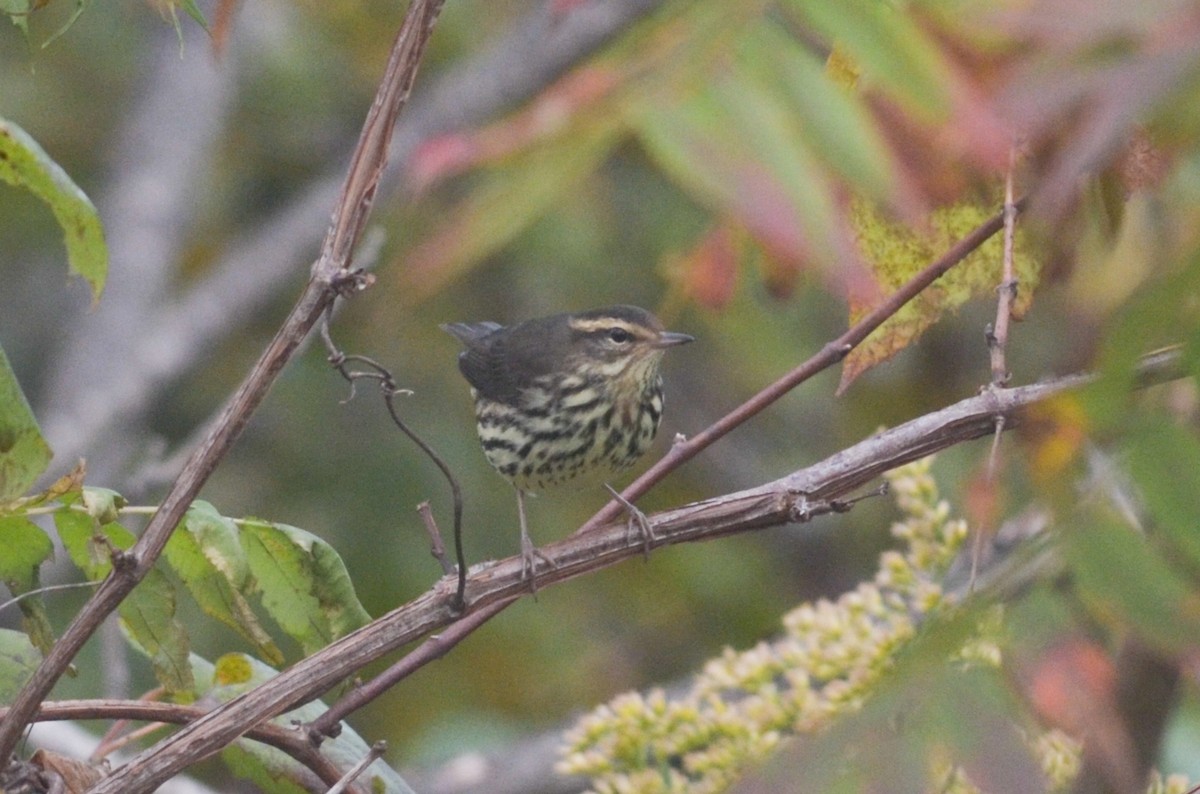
(565, 399)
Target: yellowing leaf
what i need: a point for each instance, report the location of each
(233, 669)
(896, 253)
(1056, 431)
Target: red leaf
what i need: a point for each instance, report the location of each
(708, 272)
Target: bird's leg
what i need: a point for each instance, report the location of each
(528, 550)
(636, 518)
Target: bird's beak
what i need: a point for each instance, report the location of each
(671, 338)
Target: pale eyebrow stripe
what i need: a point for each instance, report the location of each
(604, 323)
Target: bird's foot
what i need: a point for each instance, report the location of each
(530, 554)
(637, 519)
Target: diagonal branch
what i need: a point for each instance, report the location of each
(829, 355)
(322, 288)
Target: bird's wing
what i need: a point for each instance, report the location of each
(482, 362)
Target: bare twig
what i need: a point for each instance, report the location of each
(456, 493)
(377, 750)
(387, 384)
(52, 588)
(126, 738)
(997, 337)
(829, 355)
(436, 547)
(322, 288)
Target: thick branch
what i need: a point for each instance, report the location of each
(795, 498)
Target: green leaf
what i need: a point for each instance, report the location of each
(148, 616)
(23, 549)
(18, 13)
(148, 613)
(304, 583)
(1164, 461)
(832, 121)
(1123, 580)
(207, 555)
(24, 454)
(88, 543)
(892, 51)
(18, 660)
(25, 164)
(103, 504)
(1160, 313)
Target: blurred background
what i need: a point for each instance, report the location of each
(541, 167)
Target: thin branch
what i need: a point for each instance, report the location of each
(286, 739)
(348, 219)
(436, 547)
(829, 355)
(437, 646)
(51, 588)
(798, 497)
(998, 335)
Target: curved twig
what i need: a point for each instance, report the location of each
(387, 385)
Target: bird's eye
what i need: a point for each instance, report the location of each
(619, 335)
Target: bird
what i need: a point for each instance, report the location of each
(567, 400)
